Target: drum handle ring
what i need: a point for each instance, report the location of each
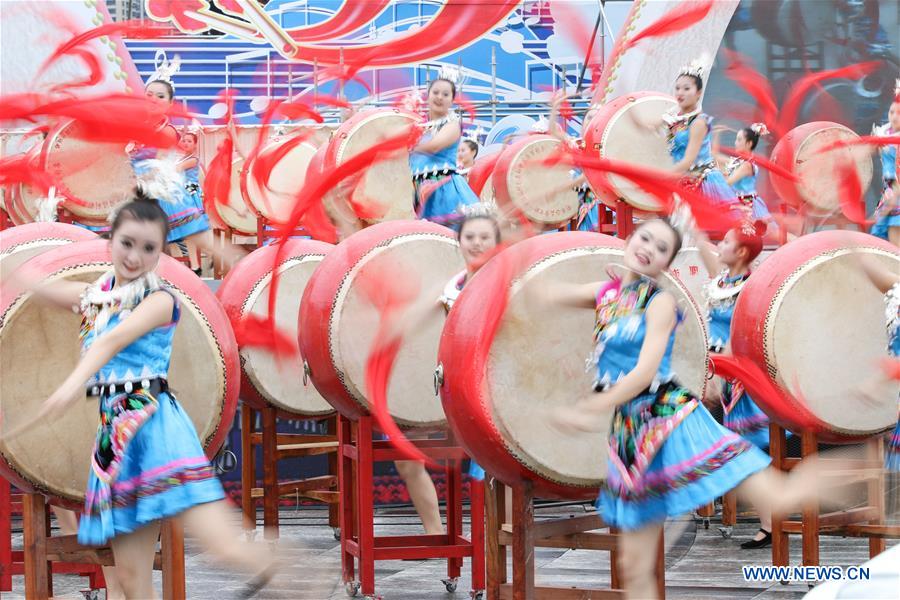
(438, 379)
(306, 373)
(711, 369)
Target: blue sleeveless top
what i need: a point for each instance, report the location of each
(620, 330)
(680, 134)
(888, 154)
(721, 295)
(442, 162)
(145, 358)
(892, 312)
(745, 186)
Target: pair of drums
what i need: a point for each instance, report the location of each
(39, 348)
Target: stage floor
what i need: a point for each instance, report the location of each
(700, 563)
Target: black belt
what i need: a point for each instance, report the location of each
(440, 173)
(155, 386)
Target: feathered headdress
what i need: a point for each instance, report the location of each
(698, 67)
(759, 129)
(479, 209)
(165, 69)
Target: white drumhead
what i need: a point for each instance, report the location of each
(282, 384)
(387, 182)
(287, 177)
(97, 173)
(537, 362)
(625, 140)
(820, 185)
(689, 269)
(236, 214)
(430, 259)
(539, 190)
(825, 335)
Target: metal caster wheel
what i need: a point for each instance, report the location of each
(91, 594)
(450, 584)
(705, 522)
(336, 532)
(783, 582)
(726, 532)
(479, 595)
(352, 588)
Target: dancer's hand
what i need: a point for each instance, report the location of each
(60, 401)
(587, 416)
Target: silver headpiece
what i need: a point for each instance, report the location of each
(698, 67)
(165, 69)
(759, 129)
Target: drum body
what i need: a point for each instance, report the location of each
(39, 345)
(537, 191)
(338, 322)
(287, 177)
(387, 183)
(24, 242)
(481, 179)
(800, 151)
(615, 133)
(236, 214)
(245, 290)
(809, 316)
(335, 206)
(495, 399)
(689, 269)
(94, 176)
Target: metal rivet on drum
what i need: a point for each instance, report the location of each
(306, 373)
(438, 379)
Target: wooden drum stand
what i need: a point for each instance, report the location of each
(358, 453)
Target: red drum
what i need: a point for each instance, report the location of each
(338, 210)
(615, 132)
(338, 323)
(537, 362)
(236, 214)
(21, 243)
(97, 174)
(286, 178)
(245, 290)
(811, 318)
(387, 183)
(39, 344)
(481, 179)
(538, 191)
(800, 152)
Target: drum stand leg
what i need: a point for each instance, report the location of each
(864, 521)
(6, 558)
(276, 447)
(357, 455)
(624, 219)
(45, 554)
(574, 531)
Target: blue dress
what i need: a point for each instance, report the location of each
(886, 219)
(444, 190)
(703, 174)
(742, 415)
(667, 454)
(746, 190)
(588, 207)
(183, 205)
(892, 311)
(147, 463)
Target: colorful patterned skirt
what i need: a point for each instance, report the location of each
(148, 465)
(885, 219)
(186, 215)
(439, 199)
(744, 417)
(667, 456)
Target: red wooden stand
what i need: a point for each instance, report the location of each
(275, 447)
(864, 521)
(12, 562)
(624, 219)
(43, 554)
(358, 453)
(524, 534)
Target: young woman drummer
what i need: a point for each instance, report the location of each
(728, 266)
(440, 190)
(887, 213)
(147, 463)
(667, 455)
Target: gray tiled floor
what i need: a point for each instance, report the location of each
(700, 564)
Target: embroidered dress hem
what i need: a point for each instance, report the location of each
(748, 421)
(699, 461)
(443, 205)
